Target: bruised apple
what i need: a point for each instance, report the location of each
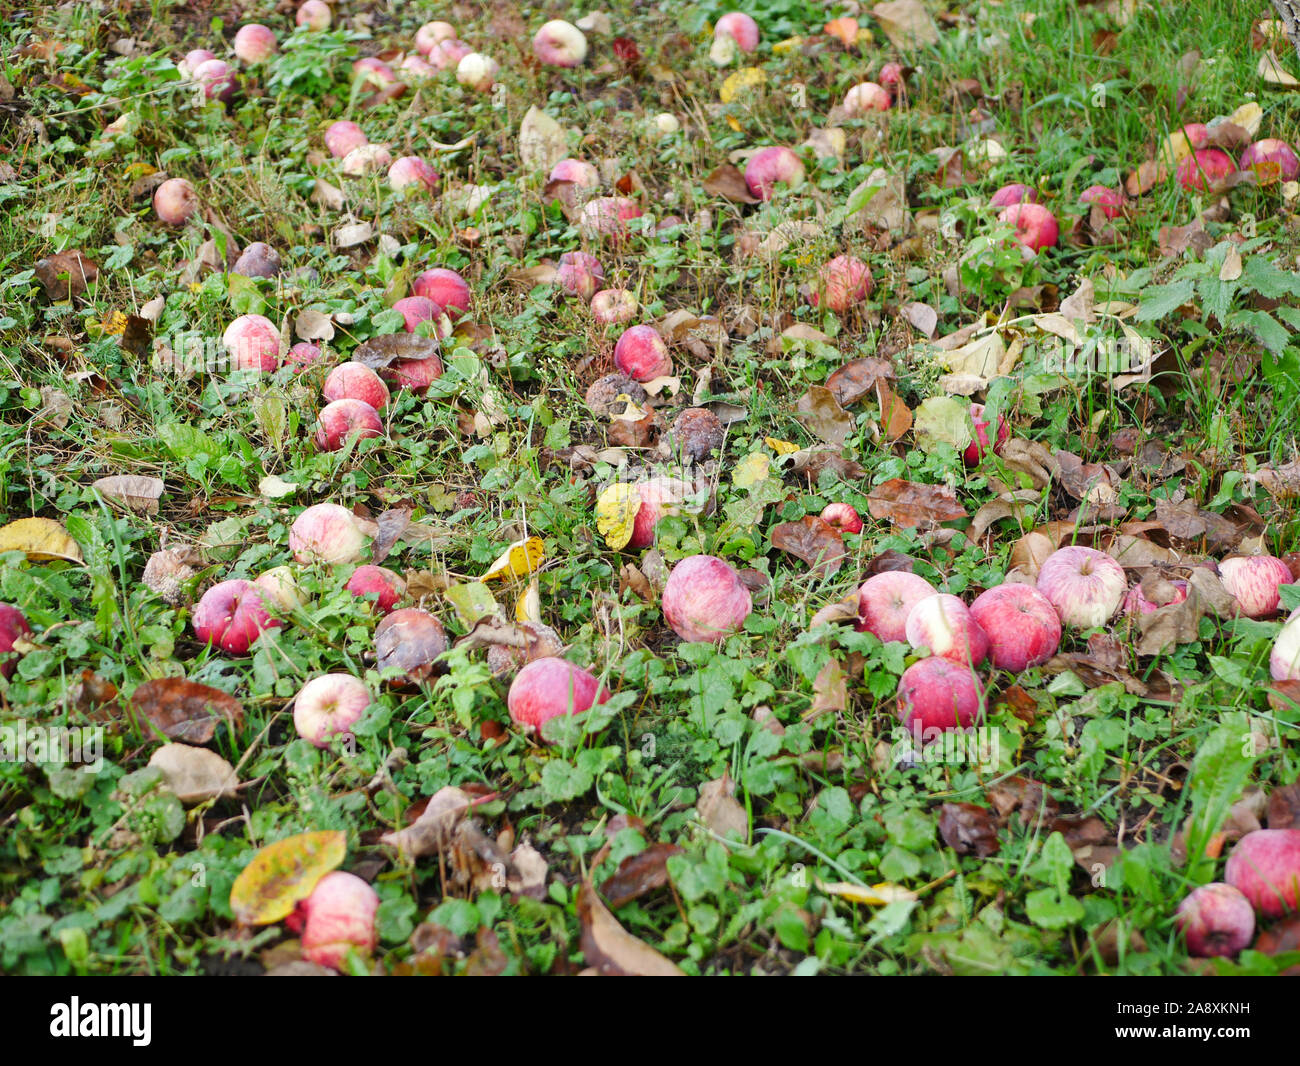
(550, 687)
(231, 615)
(705, 600)
(327, 533)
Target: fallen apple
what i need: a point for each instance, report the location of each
(1035, 225)
(409, 640)
(1272, 161)
(1204, 167)
(551, 687)
(366, 159)
(1083, 584)
(1265, 867)
(579, 274)
(842, 283)
(560, 44)
(446, 55)
(864, 98)
(327, 533)
(417, 309)
(1284, 660)
(1215, 920)
(355, 381)
(411, 170)
(979, 446)
(607, 216)
(770, 167)
(1136, 602)
(1254, 581)
(280, 589)
(192, 60)
(370, 71)
(477, 71)
(304, 354)
(377, 585)
(885, 600)
(936, 693)
(1111, 201)
(339, 915)
(660, 496)
(704, 599)
(740, 27)
(945, 625)
(231, 615)
(431, 33)
(342, 421)
(253, 343)
(343, 136)
(217, 79)
(414, 374)
(314, 15)
(1022, 626)
(13, 628)
(697, 433)
(842, 516)
(578, 171)
(641, 354)
(444, 287)
(255, 43)
(329, 706)
(1014, 194)
(258, 260)
(542, 642)
(613, 307)
(174, 201)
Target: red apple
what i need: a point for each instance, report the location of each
(740, 27)
(607, 216)
(641, 354)
(339, 915)
(978, 448)
(613, 307)
(174, 201)
(843, 282)
(446, 55)
(1111, 201)
(1254, 581)
(412, 170)
(772, 166)
(192, 61)
(1215, 919)
(578, 171)
(550, 687)
(891, 77)
(13, 628)
(885, 600)
(659, 496)
(371, 71)
(842, 516)
(445, 288)
(864, 98)
(343, 420)
(1271, 160)
(1021, 623)
(560, 44)
(431, 33)
(1265, 867)
(217, 79)
(945, 625)
(280, 590)
(355, 381)
(705, 600)
(1036, 226)
(414, 374)
(579, 274)
(253, 343)
(1197, 134)
(231, 615)
(255, 43)
(1014, 194)
(343, 136)
(936, 693)
(327, 533)
(1204, 167)
(328, 706)
(377, 584)
(1083, 584)
(417, 309)
(304, 354)
(315, 15)
(417, 68)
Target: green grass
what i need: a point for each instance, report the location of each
(103, 873)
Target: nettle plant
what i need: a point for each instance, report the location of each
(1235, 292)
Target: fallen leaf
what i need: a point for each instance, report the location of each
(812, 540)
(542, 141)
(876, 896)
(313, 326)
(830, 690)
(283, 873)
(818, 410)
(186, 710)
(906, 23)
(943, 420)
(729, 183)
(195, 774)
(718, 809)
(610, 949)
(41, 538)
(895, 418)
(616, 511)
(135, 492)
(518, 560)
(969, 829)
(639, 874)
(857, 379)
(910, 503)
(66, 274)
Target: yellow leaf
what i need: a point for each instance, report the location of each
(40, 538)
(281, 874)
(790, 44)
(781, 447)
(731, 121)
(521, 558)
(750, 470)
(528, 608)
(875, 896)
(744, 79)
(616, 510)
(1248, 116)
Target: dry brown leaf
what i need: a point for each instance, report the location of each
(812, 540)
(639, 874)
(186, 710)
(194, 774)
(895, 417)
(65, 274)
(906, 23)
(818, 410)
(718, 809)
(910, 503)
(135, 492)
(611, 950)
(968, 829)
(858, 378)
(729, 183)
(830, 690)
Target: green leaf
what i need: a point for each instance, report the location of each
(1219, 773)
(1268, 330)
(562, 781)
(1164, 300)
(1049, 910)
